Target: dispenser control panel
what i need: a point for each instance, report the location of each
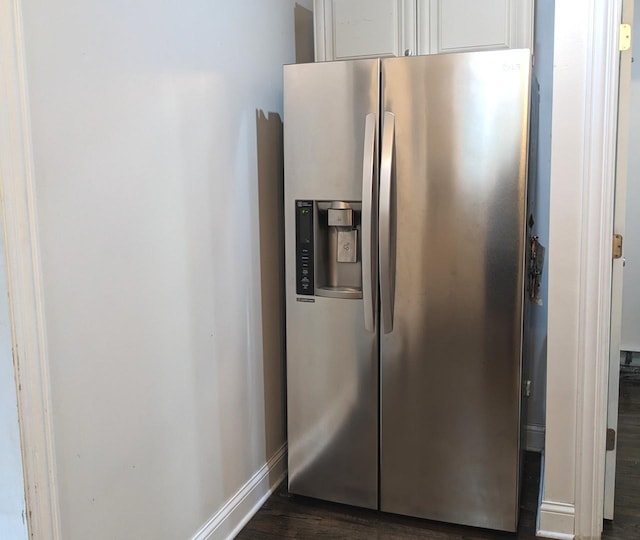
(304, 247)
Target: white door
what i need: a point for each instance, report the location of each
(630, 331)
(627, 173)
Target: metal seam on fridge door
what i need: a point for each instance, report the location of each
(523, 258)
(378, 344)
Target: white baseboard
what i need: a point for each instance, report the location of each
(556, 520)
(534, 438)
(239, 509)
(555, 535)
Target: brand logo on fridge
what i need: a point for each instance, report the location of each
(510, 67)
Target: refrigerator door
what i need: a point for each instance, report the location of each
(330, 138)
(452, 227)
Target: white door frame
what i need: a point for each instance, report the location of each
(583, 157)
(17, 205)
(600, 84)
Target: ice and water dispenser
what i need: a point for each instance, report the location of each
(328, 255)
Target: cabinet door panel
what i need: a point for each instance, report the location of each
(365, 28)
(471, 25)
(468, 25)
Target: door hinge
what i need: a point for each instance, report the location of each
(611, 439)
(617, 246)
(625, 37)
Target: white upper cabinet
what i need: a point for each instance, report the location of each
(475, 25)
(346, 29)
(367, 28)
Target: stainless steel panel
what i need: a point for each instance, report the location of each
(451, 367)
(325, 110)
(332, 361)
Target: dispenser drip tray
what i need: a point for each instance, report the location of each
(339, 292)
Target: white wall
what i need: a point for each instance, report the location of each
(153, 169)
(12, 502)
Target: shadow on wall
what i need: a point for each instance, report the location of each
(269, 134)
(270, 155)
(303, 20)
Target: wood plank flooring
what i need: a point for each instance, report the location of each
(626, 512)
(292, 516)
(289, 516)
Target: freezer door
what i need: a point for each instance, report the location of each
(330, 130)
(452, 226)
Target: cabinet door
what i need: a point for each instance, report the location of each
(347, 29)
(473, 25)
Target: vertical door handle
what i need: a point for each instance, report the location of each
(369, 251)
(385, 222)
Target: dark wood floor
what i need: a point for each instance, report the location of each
(290, 516)
(626, 522)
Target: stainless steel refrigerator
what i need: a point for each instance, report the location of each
(405, 187)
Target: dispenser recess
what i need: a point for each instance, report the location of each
(328, 254)
(338, 264)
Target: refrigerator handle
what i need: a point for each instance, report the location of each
(369, 277)
(385, 222)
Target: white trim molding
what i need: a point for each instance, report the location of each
(583, 161)
(594, 326)
(554, 535)
(17, 204)
(556, 520)
(319, 31)
(227, 522)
